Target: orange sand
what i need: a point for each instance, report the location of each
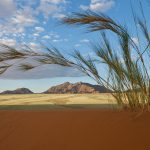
(73, 129)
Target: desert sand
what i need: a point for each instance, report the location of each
(74, 129)
(58, 99)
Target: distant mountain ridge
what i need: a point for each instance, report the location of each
(65, 88)
(18, 91)
(78, 88)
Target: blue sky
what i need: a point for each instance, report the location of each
(33, 22)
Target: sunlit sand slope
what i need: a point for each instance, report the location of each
(34, 99)
(74, 129)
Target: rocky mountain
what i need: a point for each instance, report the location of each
(18, 91)
(79, 88)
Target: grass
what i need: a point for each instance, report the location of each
(58, 107)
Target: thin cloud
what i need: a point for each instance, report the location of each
(46, 71)
(85, 41)
(9, 42)
(135, 40)
(7, 8)
(39, 29)
(99, 5)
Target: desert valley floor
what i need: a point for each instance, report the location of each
(58, 99)
(70, 128)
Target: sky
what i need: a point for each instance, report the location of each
(36, 22)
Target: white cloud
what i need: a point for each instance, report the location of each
(58, 1)
(36, 34)
(83, 7)
(51, 8)
(99, 5)
(135, 40)
(46, 37)
(23, 18)
(56, 40)
(9, 42)
(18, 22)
(77, 45)
(7, 8)
(54, 1)
(85, 41)
(46, 71)
(48, 10)
(39, 29)
(59, 16)
(11, 29)
(60, 40)
(34, 46)
(19, 17)
(55, 37)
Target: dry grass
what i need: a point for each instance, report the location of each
(57, 99)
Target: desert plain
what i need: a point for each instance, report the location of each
(55, 99)
(70, 122)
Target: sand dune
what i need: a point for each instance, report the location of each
(74, 130)
(70, 128)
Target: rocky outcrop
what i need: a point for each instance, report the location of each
(18, 91)
(78, 88)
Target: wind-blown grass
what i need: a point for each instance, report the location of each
(129, 78)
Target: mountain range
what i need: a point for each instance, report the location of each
(18, 91)
(78, 88)
(65, 88)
